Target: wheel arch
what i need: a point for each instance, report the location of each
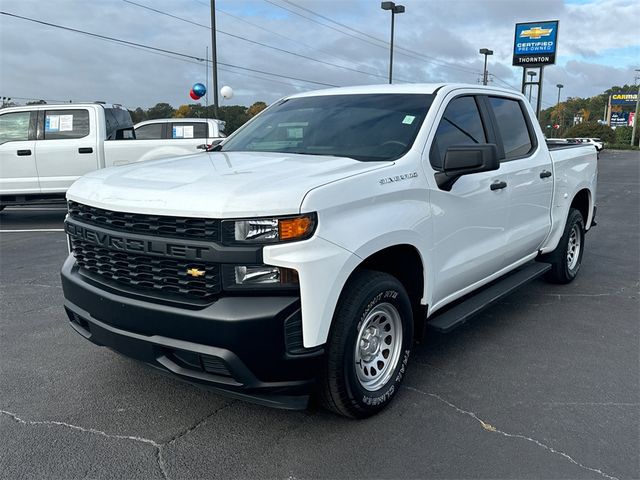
(404, 262)
(582, 202)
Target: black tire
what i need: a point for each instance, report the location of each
(340, 386)
(563, 267)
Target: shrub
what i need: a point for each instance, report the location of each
(592, 130)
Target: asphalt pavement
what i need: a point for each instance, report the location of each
(544, 384)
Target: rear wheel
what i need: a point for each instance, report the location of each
(567, 257)
(369, 345)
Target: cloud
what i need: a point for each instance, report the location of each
(436, 41)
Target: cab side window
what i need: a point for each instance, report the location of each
(461, 124)
(152, 131)
(65, 124)
(189, 130)
(14, 127)
(512, 127)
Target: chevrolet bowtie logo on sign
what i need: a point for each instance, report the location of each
(535, 44)
(194, 272)
(536, 33)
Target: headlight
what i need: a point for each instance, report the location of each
(243, 277)
(269, 230)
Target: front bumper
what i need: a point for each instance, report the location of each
(247, 347)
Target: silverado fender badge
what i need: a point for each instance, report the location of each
(194, 272)
(398, 178)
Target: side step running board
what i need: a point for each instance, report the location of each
(458, 314)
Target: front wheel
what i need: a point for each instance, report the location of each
(566, 259)
(369, 345)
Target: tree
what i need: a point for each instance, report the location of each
(585, 114)
(592, 129)
(256, 108)
(37, 102)
(183, 111)
(160, 110)
(138, 115)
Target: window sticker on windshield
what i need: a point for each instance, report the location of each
(66, 123)
(295, 132)
(52, 123)
(187, 131)
(178, 132)
(408, 119)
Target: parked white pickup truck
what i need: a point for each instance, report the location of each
(307, 251)
(45, 148)
(195, 130)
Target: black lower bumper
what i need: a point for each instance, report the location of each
(248, 347)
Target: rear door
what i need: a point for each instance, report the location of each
(66, 148)
(18, 171)
(529, 177)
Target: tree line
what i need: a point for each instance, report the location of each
(234, 115)
(590, 110)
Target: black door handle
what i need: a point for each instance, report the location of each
(24, 153)
(498, 185)
(85, 150)
(545, 174)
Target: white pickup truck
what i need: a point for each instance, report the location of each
(45, 148)
(305, 253)
(196, 130)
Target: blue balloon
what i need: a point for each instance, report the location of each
(199, 89)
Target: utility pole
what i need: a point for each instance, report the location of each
(560, 86)
(206, 75)
(635, 116)
(214, 59)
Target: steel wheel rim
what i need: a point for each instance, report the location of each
(378, 346)
(573, 248)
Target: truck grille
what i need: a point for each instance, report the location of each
(157, 225)
(147, 272)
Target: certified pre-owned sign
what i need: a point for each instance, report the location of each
(535, 44)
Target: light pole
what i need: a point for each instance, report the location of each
(394, 9)
(560, 86)
(531, 74)
(635, 116)
(486, 52)
(214, 58)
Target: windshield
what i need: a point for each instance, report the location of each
(366, 127)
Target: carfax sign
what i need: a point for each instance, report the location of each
(535, 44)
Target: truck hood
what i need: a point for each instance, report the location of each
(215, 184)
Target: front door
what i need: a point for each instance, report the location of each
(469, 220)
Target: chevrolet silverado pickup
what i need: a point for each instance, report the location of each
(45, 148)
(303, 254)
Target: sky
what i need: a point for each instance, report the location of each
(305, 44)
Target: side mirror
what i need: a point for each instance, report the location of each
(462, 160)
(208, 147)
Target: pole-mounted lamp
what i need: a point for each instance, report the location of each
(393, 8)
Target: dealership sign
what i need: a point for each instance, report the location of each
(535, 44)
(624, 98)
(619, 119)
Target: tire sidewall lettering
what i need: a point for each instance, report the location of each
(384, 395)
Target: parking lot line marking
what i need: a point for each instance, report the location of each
(34, 230)
(20, 209)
